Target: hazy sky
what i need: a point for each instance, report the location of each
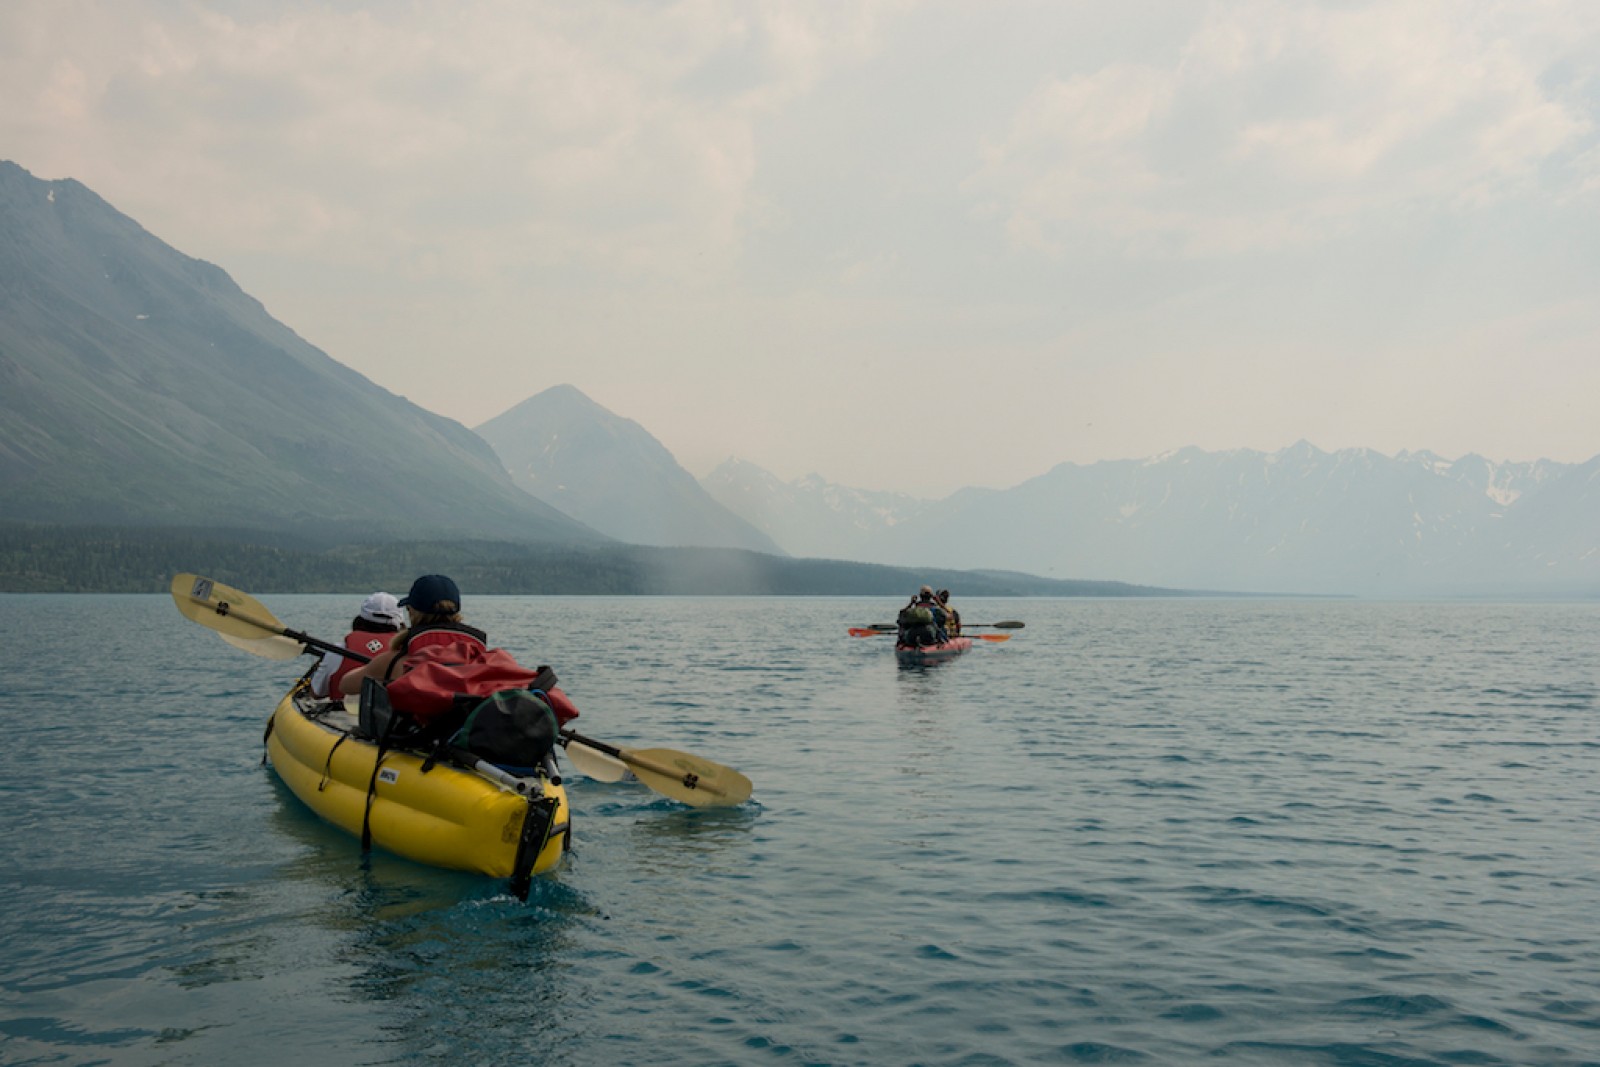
(904, 245)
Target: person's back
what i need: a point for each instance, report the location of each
(374, 626)
(433, 608)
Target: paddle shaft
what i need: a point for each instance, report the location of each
(1004, 624)
(857, 631)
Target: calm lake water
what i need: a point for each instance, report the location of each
(1153, 831)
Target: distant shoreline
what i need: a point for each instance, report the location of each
(104, 560)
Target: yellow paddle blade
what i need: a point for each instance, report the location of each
(268, 647)
(222, 608)
(697, 782)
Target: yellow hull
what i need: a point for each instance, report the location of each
(448, 817)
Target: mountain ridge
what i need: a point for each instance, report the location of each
(610, 473)
(1350, 521)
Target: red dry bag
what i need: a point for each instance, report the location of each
(437, 674)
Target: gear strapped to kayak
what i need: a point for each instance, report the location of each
(437, 675)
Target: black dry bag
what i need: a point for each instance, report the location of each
(513, 729)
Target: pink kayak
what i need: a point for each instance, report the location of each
(932, 653)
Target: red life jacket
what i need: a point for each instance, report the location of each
(363, 642)
(441, 634)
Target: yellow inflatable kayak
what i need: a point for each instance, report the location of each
(447, 816)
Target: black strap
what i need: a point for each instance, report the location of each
(327, 767)
(377, 763)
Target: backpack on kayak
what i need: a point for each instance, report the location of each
(515, 729)
(918, 626)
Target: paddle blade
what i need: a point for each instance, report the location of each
(988, 637)
(594, 763)
(268, 647)
(222, 608)
(857, 631)
(697, 782)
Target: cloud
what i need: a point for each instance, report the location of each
(605, 137)
(1281, 123)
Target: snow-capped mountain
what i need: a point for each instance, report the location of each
(809, 516)
(1297, 520)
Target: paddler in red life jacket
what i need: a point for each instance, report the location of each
(379, 619)
(434, 608)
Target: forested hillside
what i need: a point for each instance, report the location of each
(57, 559)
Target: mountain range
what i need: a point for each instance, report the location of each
(142, 389)
(1297, 520)
(154, 418)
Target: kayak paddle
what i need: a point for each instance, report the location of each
(1006, 624)
(235, 614)
(857, 631)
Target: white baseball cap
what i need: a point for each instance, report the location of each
(383, 608)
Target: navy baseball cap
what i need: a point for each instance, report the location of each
(429, 590)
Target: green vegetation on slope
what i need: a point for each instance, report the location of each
(76, 559)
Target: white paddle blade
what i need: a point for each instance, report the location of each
(267, 647)
(594, 763)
